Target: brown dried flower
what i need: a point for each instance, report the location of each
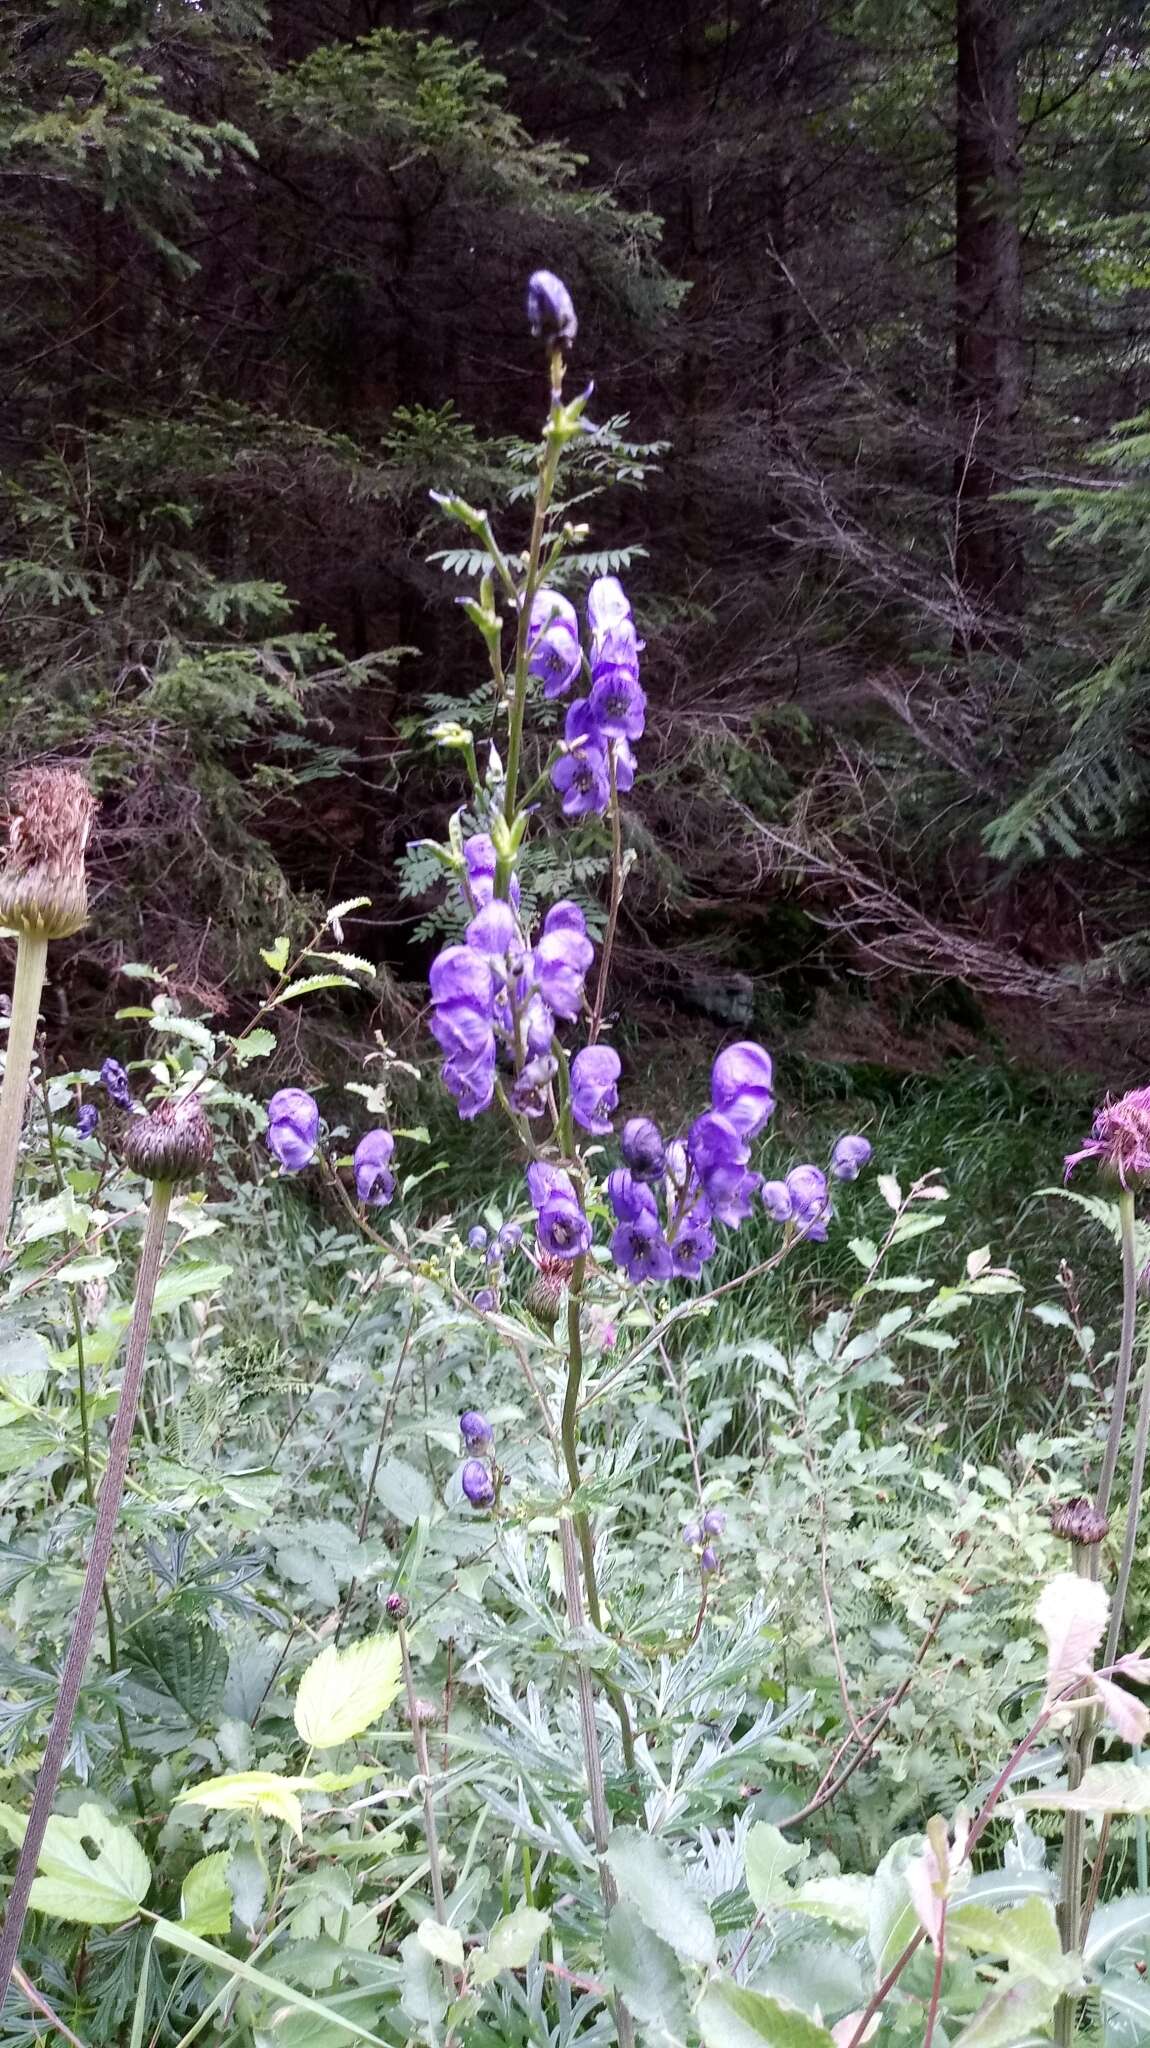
(1078, 1521)
(173, 1142)
(43, 886)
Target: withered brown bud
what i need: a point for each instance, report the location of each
(43, 886)
(173, 1142)
(544, 1296)
(1078, 1521)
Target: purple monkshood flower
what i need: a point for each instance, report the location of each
(477, 1237)
(528, 1095)
(693, 1244)
(293, 1128)
(460, 974)
(714, 1522)
(580, 726)
(583, 781)
(495, 931)
(477, 1483)
(511, 1234)
(642, 1251)
(463, 999)
(471, 1082)
(718, 1153)
(849, 1156)
(550, 311)
(618, 707)
(692, 1535)
(807, 1186)
(374, 1180)
(630, 1199)
(484, 1301)
(709, 1558)
(742, 1086)
(561, 1228)
(555, 656)
(116, 1083)
(87, 1117)
(777, 1201)
(562, 957)
(642, 1147)
(475, 1429)
(480, 862)
(730, 1191)
(594, 1087)
(607, 605)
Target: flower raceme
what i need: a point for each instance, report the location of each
(599, 728)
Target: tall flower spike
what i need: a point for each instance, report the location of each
(43, 883)
(1119, 1139)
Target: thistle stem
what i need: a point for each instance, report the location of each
(1125, 1350)
(83, 1627)
(31, 962)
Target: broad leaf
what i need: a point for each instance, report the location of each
(1105, 1788)
(1025, 1935)
(1071, 1613)
(511, 1943)
(248, 1791)
(206, 1895)
(91, 1870)
(645, 1972)
(444, 1943)
(769, 1857)
(182, 1657)
(650, 1879)
(730, 2017)
(235, 1967)
(345, 1691)
(1011, 2015)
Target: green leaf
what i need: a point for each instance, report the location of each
(12, 1823)
(845, 1901)
(1010, 2015)
(243, 1791)
(311, 985)
(1112, 1925)
(730, 2017)
(206, 1895)
(769, 1857)
(645, 1972)
(339, 910)
(345, 1691)
(1105, 1788)
(182, 1657)
(892, 1916)
(274, 1987)
(511, 1943)
(188, 1028)
(650, 1879)
(276, 956)
(1025, 1935)
(96, 1889)
(444, 1943)
(351, 963)
(254, 1045)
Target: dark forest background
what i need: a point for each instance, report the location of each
(864, 288)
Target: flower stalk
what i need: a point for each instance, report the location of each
(31, 965)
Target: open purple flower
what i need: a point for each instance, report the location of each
(730, 1191)
(714, 1143)
(693, 1244)
(594, 1087)
(642, 1251)
(529, 1089)
(583, 782)
(550, 310)
(293, 1128)
(641, 1144)
(618, 705)
(561, 1228)
(484, 1300)
(374, 1180)
(471, 1081)
(562, 957)
(1119, 1139)
(849, 1156)
(742, 1086)
(477, 1483)
(555, 656)
(116, 1083)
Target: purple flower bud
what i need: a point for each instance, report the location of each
(555, 657)
(692, 1535)
(477, 1237)
(777, 1201)
(594, 1087)
(583, 782)
(607, 605)
(642, 1147)
(116, 1083)
(807, 1186)
(714, 1522)
(293, 1128)
(642, 1251)
(511, 1234)
(477, 1483)
(484, 1300)
(396, 1607)
(550, 311)
(374, 1180)
(742, 1086)
(714, 1141)
(562, 958)
(495, 930)
(709, 1559)
(475, 1429)
(630, 1199)
(543, 1180)
(849, 1156)
(87, 1117)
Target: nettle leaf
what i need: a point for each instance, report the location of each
(511, 1943)
(175, 1026)
(91, 1871)
(248, 1791)
(730, 2017)
(183, 1658)
(1105, 1788)
(345, 1691)
(650, 1880)
(206, 1895)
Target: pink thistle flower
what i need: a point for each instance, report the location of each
(1119, 1138)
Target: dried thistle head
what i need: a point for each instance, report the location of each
(1078, 1521)
(173, 1142)
(43, 886)
(1119, 1138)
(544, 1296)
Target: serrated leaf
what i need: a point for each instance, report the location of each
(183, 1657)
(197, 1034)
(310, 985)
(890, 1190)
(646, 1973)
(1072, 1614)
(865, 1251)
(352, 963)
(206, 1895)
(339, 910)
(650, 1879)
(1011, 2015)
(1105, 1788)
(769, 1856)
(275, 956)
(96, 1890)
(243, 1791)
(730, 2017)
(511, 1943)
(254, 1045)
(444, 1943)
(345, 1691)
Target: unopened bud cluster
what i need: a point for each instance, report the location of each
(477, 1476)
(702, 1537)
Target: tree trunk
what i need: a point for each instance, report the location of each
(987, 304)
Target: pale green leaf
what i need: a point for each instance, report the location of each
(275, 956)
(769, 1857)
(345, 1691)
(648, 1876)
(1105, 1788)
(254, 1045)
(1010, 2015)
(730, 2017)
(444, 1943)
(273, 1987)
(845, 1901)
(646, 1973)
(96, 1889)
(339, 910)
(245, 1791)
(890, 1190)
(1026, 1936)
(311, 985)
(195, 1033)
(206, 1895)
(351, 963)
(511, 1943)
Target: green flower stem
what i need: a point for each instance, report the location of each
(83, 1627)
(1133, 1514)
(423, 1764)
(31, 962)
(1125, 1349)
(569, 1436)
